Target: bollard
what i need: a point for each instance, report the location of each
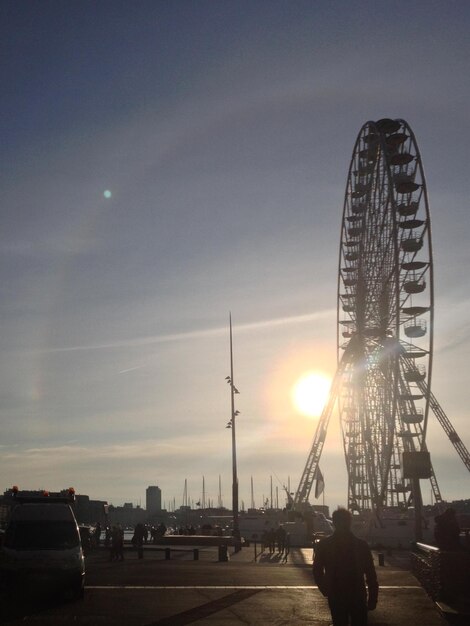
(223, 556)
(381, 559)
(196, 554)
(167, 554)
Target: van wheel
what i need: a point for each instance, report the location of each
(75, 593)
(80, 593)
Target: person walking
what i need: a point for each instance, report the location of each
(138, 540)
(281, 539)
(341, 568)
(447, 531)
(286, 547)
(97, 534)
(117, 544)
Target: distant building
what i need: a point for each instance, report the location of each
(127, 515)
(153, 500)
(90, 511)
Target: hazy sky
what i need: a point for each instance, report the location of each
(223, 130)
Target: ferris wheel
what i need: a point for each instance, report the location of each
(385, 312)
(382, 386)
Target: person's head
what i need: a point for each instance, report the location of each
(342, 519)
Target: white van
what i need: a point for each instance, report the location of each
(42, 550)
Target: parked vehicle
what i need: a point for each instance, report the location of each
(42, 551)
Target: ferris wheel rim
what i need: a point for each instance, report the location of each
(389, 187)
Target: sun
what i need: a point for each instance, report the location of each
(310, 393)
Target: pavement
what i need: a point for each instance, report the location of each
(247, 589)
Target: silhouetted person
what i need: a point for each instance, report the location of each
(264, 540)
(447, 531)
(138, 539)
(281, 539)
(97, 534)
(117, 544)
(272, 540)
(342, 565)
(286, 547)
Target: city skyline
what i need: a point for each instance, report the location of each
(168, 163)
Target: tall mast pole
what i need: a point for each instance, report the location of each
(236, 527)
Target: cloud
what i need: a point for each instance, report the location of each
(196, 334)
(131, 369)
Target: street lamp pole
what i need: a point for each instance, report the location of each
(234, 413)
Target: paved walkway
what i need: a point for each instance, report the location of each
(180, 591)
(272, 589)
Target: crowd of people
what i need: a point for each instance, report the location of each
(274, 539)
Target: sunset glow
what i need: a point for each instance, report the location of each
(310, 393)
(168, 166)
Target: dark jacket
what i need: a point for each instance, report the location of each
(342, 565)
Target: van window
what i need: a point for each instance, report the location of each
(41, 535)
